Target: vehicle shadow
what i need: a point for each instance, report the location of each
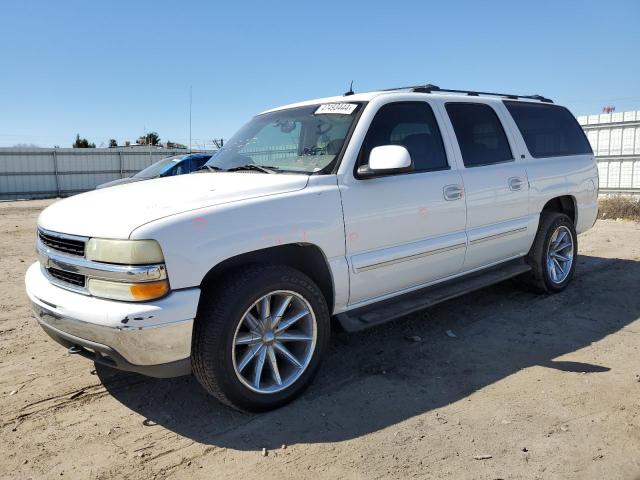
(377, 378)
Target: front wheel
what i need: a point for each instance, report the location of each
(553, 254)
(260, 336)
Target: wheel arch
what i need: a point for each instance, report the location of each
(563, 204)
(305, 257)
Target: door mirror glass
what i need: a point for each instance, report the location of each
(387, 159)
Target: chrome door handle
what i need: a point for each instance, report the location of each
(452, 192)
(516, 183)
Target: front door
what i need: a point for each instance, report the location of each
(401, 231)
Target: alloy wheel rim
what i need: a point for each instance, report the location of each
(274, 342)
(560, 254)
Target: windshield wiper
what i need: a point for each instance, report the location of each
(209, 168)
(253, 166)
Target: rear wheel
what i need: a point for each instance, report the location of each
(553, 254)
(259, 337)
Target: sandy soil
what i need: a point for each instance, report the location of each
(548, 386)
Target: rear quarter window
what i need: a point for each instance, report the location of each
(548, 130)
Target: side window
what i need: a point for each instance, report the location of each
(548, 130)
(182, 167)
(480, 134)
(412, 125)
(197, 162)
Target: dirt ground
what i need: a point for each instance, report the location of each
(547, 386)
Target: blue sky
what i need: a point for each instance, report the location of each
(115, 69)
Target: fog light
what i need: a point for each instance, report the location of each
(131, 292)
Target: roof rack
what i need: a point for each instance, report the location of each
(428, 88)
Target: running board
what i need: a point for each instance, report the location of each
(382, 312)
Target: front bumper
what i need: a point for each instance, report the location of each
(153, 338)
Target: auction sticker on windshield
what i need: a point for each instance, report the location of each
(340, 108)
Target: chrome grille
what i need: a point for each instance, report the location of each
(62, 243)
(67, 277)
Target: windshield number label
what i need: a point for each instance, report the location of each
(339, 108)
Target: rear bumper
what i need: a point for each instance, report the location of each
(151, 338)
(587, 215)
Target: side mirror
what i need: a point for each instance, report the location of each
(385, 160)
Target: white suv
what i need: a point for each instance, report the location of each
(362, 208)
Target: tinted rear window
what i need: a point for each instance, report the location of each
(548, 130)
(480, 134)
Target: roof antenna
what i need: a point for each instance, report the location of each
(350, 92)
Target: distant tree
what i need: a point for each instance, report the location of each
(171, 144)
(151, 138)
(26, 145)
(113, 143)
(82, 143)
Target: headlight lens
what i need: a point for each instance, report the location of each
(129, 292)
(124, 252)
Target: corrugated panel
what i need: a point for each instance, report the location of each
(140, 160)
(88, 163)
(594, 119)
(27, 183)
(636, 174)
(30, 173)
(626, 174)
(605, 118)
(636, 149)
(603, 142)
(617, 117)
(15, 162)
(628, 137)
(615, 142)
(614, 175)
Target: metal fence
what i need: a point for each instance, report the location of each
(27, 173)
(615, 139)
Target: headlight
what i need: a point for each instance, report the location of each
(131, 254)
(129, 292)
(124, 252)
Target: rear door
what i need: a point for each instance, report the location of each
(407, 229)
(495, 183)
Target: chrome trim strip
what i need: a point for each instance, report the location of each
(410, 257)
(104, 271)
(497, 235)
(386, 296)
(63, 236)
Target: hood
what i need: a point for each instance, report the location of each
(119, 181)
(115, 212)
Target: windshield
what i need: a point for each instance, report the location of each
(157, 168)
(302, 140)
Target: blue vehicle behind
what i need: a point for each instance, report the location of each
(167, 167)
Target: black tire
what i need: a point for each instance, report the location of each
(540, 277)
(220, 311)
